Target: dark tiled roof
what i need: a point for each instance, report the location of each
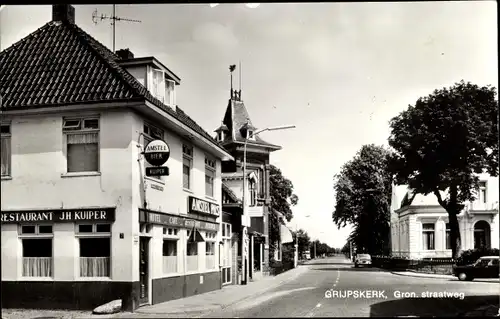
(235, 118)
(60, 64)
(230, 193)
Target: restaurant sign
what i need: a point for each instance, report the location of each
(199, 206)
(175, 221)
(59, 215)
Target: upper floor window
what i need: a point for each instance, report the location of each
(6, 153)
(82, 144)
(253, 193)
(151, 133)
(209, 176)
(163, 88)
(187, 165)
(482, 192)
(428, 236)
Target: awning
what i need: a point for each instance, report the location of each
(195, 236)
(286, 235)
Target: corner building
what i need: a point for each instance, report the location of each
(81, 223)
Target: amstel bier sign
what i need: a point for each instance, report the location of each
(198, 206)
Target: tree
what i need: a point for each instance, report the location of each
(304, 241)
(443, 142)
(282, 200)
(363, 194)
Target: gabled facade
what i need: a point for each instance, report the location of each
(82, 224)
(420, 229)
(235, 128)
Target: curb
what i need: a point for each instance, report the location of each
(424, 275)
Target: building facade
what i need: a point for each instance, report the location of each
(235, 130)
(82, 224)
(420, 226)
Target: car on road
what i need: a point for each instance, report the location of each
(484, 267)
(362, 260)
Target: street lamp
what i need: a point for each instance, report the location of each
(245, 219)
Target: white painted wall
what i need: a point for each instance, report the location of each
(37, 182)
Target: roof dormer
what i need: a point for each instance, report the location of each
(248, 130)
(152, 74)
(222, 132)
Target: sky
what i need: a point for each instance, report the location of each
(337, 71)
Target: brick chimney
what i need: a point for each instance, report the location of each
(63, 13)
(125, 54)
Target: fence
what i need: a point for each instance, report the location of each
(431, 265)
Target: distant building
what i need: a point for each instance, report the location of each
(235, 128)
(420, 226)
(81, 223)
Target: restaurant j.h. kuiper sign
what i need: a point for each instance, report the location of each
(175, 221)
(59, 215)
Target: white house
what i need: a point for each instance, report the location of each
(420, 229)
(81, 223)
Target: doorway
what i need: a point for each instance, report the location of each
(144, 270)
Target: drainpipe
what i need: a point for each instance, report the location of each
(141, 172)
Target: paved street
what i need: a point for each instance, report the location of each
(304, 296)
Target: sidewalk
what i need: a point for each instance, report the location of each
(203, 304)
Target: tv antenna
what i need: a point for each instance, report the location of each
(96, 18)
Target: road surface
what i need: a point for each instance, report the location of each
(332, 287)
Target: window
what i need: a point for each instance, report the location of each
(192, 255)
(226, 253)
(250, 135)
(95, 249)
(151, 133)
(169, 92)
(170, 242)
(158, 87)
(448, 236)
(253, 193)
(37, 250)
(82, 144)
(210, 249)
(428, 236)
(6, 149)
(187, 164)
(482, 192)
(209, 176)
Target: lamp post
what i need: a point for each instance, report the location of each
(245, 219)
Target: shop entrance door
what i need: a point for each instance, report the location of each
(144, 270)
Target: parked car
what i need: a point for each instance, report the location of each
(362, 260)
(484, 267)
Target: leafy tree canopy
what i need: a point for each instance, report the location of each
(282, 200)
(363, 194)
(443, 143)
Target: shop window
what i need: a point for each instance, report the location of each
(37, 248)
(151, 133)
(210, 250)
(95, 249)
(6, 149)
(170, 244)
(82, 144)
(192, 256)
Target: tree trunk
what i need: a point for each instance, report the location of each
(456, 243)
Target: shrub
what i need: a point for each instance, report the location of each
(471, 255)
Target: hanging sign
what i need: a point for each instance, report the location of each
(157, 152)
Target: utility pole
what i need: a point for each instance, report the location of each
(113, 18)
